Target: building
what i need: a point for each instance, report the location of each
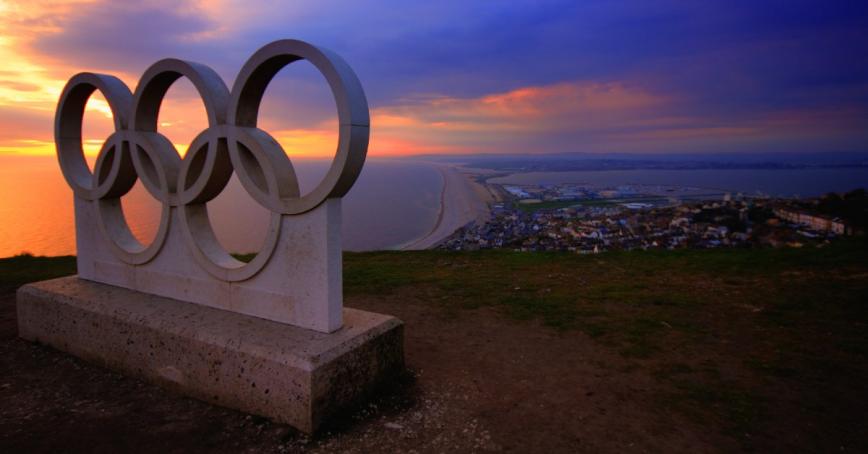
(813, 221)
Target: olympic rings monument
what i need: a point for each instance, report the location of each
(270, 336)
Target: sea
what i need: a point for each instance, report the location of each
(393, 202)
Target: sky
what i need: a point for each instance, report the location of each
(448, 77)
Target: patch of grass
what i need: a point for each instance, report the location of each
(618, 201)
(631, 299)
(641, 336)
(558, 204)
(384, 272)
(246, 258)
(546, 205)
(21, 269)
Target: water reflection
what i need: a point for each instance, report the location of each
(392, 203)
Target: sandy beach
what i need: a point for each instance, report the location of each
(462, 201)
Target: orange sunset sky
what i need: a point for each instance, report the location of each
(492, 77)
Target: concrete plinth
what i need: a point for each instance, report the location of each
(288, 374)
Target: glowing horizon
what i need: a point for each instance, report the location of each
(724, 92)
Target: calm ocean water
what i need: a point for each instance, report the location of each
(781, 183)
(392, 203)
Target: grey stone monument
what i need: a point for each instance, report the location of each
(270, 336)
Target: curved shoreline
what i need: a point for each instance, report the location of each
(413, 245)
(459, 206)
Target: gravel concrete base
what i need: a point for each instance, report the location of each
(288, 374)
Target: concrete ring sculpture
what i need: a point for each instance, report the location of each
(205, 170)
(67, 130)
(232, 142)
(113, 174)
(202, 174)
(353, 118)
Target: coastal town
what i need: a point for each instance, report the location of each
(587, 220)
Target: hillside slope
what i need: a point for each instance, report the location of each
(694, 350)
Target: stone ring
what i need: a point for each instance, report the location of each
(231, 143)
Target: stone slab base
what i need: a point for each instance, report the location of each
(288, 374)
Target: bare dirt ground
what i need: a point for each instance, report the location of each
(477, 383)
(480, 380)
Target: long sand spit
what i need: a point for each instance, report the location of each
(462, 202)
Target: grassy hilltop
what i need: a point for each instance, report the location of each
(751, 346)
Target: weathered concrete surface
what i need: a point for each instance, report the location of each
(285, 373)
(301, 284)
